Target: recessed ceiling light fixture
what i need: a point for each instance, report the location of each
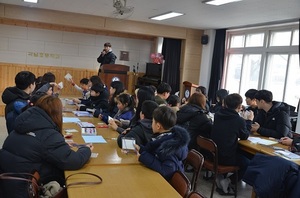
(166, 16)
(31, 1)
(219, 2)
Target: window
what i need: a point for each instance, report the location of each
(264, 58)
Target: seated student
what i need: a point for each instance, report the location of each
(228, 126)
(16, 98)
(168, 147)
(220, 95)
(83, 88)
(97, 101)
(49, 78)
(194, 118)
(163, 92)
(251, 101)
(142, 131)
(174, 102)
(143, 93)
(273, 118)
(116, 88)
(202, 90)
(37, 143)
(125, 109)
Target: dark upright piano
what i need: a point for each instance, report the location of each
(152, 76)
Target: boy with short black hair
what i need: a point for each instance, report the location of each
(251, 101)
(169, 145)
(83, 88)
(16, 98)
(227, 128)
(163, 92)
(142, 130)
(174, 102)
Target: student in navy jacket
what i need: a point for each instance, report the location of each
(37, 144)
(169, 146)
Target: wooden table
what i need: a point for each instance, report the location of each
(134, 181)
(254, 148)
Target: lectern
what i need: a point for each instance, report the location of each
(189, 89)
(113, 72)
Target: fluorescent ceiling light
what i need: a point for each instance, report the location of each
(219, 2)
(166, 16)
(31, 1)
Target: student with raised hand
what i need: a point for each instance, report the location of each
(273, 118)
(142, 130)
(227, 128)
(83, 88)
(168, 147)
(37, 144)
(194, 118)
(17, 97)
(163, 92)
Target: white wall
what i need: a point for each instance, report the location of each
(207, 52)
(34, 46)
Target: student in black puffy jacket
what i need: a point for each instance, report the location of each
(37, 144)
(194, 117)
(273, 118)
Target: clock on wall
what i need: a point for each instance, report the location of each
(115, 78)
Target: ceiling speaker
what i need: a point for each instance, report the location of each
(204, 39)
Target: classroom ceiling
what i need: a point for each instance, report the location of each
(197, 15)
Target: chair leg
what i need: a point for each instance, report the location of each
(236, 181)
(213, 186)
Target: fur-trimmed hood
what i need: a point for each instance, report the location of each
(173, 141)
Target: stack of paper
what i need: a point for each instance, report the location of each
(287, 154)
(257, 140)
(86, 124)
(82, 113)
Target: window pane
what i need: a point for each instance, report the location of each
(292, 94)
(234, 73)
(275, 75)
(280, 38)
(295, 38)
(237, 41)
(255, 40)
(250, 73)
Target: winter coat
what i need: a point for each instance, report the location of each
(273, 177)
(276, 122)
(99, 103)
(165, 153)
(37, 144)
(108, 58)
(141, 132)
(15, 100)
(227, 128)
(126, 114)
(195, 120)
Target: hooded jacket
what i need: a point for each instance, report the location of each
(108, 58)
(227, 128)
(276, 122)
(141, 132)
(165, 153)
(37, 144)
(15, 99)
(195, 120)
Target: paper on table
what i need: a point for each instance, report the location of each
(70, 119)
(288, 154)
(94, 139)
(70, 130)
(257, 140)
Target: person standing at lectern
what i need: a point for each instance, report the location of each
(106, 56)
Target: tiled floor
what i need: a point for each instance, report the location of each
(244, 190)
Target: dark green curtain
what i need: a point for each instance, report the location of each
(171, 51)
(217, 64)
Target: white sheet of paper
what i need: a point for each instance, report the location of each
(94, 139)
(61, 85)
(70, 130)
(70, 120)
(94, 155)
(128, 144)
(68, 76)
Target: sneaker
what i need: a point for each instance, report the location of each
(225, 184)
(218, 179)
